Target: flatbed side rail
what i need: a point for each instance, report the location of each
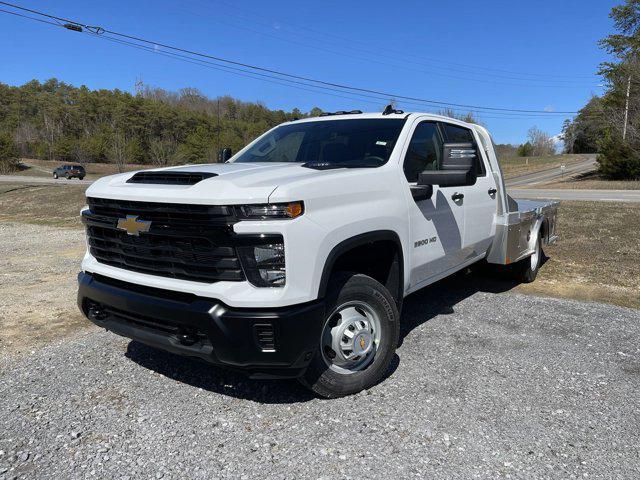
(516, 231)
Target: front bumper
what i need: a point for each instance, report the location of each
(265, 343)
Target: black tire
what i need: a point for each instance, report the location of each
(80, 178)
(67, 177)
(55, 175)
(345, 288)
(526, 270)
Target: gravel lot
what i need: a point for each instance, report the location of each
(485, 385)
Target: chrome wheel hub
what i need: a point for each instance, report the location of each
(350, 337)
(535, 257)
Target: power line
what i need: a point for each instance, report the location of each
(260, 76)
(100, 30)
(297, 84)
(550, 82)
(346, 42)
(28, 17)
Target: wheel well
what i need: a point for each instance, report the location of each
(378, 256)
(544, 230)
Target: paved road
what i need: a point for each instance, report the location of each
(485, 385)
(571, 194)
(43, 180)
(529, 179)
(551, 174)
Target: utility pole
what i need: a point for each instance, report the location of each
(626, 110)
(139, 86)
(218, 124)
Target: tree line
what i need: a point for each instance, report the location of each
(610, 124)
(538, 143)
(57, 121)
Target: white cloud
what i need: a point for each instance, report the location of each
(558, 142)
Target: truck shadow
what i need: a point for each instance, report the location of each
(441, 297)
(420, 307)
(199, 374)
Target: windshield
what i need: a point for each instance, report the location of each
(349, 143)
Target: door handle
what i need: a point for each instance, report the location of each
(457, 196)
(492, 191)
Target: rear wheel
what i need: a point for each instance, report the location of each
(81, 178)
(526, 269)
(358, 339)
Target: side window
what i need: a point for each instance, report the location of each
(457, 134)
(424, 151)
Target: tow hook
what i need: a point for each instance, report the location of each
(96, 313)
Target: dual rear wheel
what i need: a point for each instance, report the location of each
(526, 270)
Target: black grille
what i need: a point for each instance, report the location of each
(188, 242)
(186, 334)
(169, 213)
(171, 178)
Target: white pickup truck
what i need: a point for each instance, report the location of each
(292, 259)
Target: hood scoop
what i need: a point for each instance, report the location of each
(170, 178)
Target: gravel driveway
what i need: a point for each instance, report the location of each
(485, 385)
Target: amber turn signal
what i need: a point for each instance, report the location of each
(294, 209)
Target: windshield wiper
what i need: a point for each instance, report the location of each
(333, 166)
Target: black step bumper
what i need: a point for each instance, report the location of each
(265, 343)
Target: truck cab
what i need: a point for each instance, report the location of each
(292, 259)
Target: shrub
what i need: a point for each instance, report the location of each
(618, 160)
(8, 154)
(525, 150)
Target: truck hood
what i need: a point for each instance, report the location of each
(233, 183)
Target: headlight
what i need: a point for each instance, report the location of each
(271, 210)
(264, 264)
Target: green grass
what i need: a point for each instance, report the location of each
(515, 166)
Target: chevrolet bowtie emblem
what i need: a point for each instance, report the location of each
(133, 226)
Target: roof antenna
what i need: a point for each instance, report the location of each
(388, 110)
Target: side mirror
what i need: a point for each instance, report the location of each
(224, 154)
(457, 168)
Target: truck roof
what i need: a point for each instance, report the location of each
(370, 115)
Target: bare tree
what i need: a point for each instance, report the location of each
(468, 117)
(53, 130)
(118, 151)
(162, 150)
(25, 136)
(541, 141)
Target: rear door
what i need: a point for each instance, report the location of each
(480, 200)
(436, 224)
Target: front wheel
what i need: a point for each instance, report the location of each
(55, 175)
(358, 340)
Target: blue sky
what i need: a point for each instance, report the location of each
(534, 55)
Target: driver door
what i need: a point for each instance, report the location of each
(436, 224)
